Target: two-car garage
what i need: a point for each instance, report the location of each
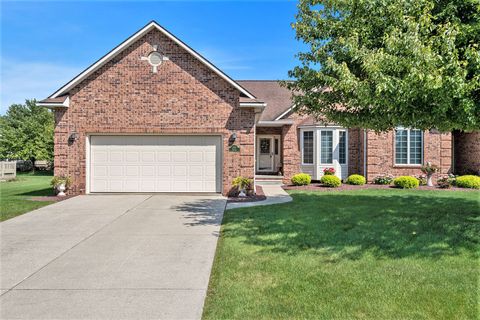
(154, 163)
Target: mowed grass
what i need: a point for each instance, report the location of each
(15, 195)
(366, 254)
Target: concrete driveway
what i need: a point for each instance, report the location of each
(110, 256)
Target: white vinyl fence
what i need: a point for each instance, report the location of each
(8, 170)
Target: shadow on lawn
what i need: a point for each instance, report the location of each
(39, 193)
(349, 226)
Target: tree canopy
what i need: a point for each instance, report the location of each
(378, 64)
(26, 132)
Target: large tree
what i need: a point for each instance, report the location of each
(378, 64)
(26, 132)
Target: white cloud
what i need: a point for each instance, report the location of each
(21, 80)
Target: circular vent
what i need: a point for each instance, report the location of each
(155, 59)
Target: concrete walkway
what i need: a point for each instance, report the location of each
(110, 256)
(274, 193)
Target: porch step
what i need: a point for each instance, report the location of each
(268, 180)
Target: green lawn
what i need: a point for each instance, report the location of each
(14, 195)
(366, 254)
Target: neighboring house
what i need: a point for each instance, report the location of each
(155, 116)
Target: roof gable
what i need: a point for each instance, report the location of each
(125, 44)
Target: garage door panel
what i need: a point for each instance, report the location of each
(148, 156)
(155, 163)
(115, 171)
(164, 156)
(132, 171)
(164, 171)
(179, 156)
(132, 156)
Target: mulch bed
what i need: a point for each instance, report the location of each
(259, 196)
(344, 187)
(50, 198)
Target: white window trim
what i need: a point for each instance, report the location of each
(346, 147)
(303, 147)
(320, 147)
(408, 164)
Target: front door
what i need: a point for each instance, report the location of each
(265, 158)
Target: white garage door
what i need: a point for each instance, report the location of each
(155, 164)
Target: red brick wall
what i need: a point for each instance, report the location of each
(467, 152)
(380, 154)
(291, 148)
(124, 96)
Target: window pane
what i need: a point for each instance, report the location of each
(308, 147)
(276, 146)
(401, 147)
(326, 144)
(415, 147)
(342, 147)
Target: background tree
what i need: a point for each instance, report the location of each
(26, 132)
(386, 63)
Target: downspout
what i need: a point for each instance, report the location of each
(365, 154)
(257, 118)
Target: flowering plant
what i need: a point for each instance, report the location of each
(329, 171)
(446, 182)
(422, 179)
(383, 179)
(429, 168)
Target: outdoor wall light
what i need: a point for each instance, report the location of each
(73, 137)
(232, 138)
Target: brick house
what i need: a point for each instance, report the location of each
(153, 115)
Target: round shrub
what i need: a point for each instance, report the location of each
(383, 179)
(301, 179)
(331, 181)
(356, 179)
(406, 182)
(468, 181)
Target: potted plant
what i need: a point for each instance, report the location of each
(61, 183)
(242, 184)
(429, 169)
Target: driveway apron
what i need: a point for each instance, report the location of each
(110, 256)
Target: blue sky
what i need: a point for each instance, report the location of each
(46, 43)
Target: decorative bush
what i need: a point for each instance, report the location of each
(446, 182)
(331, 181)
(383, 179)
(406, 182)
(301, 179)
(329, 171)
(242, 183)
(468, 181)
(422, 179)
(58, 180)
(356, 179)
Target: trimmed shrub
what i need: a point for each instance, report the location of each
(301, 179)
(331, 181)
(406, 182)
(383, 179)
(468, 181)
(356, 179)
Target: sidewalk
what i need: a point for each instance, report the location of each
(275, 194)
